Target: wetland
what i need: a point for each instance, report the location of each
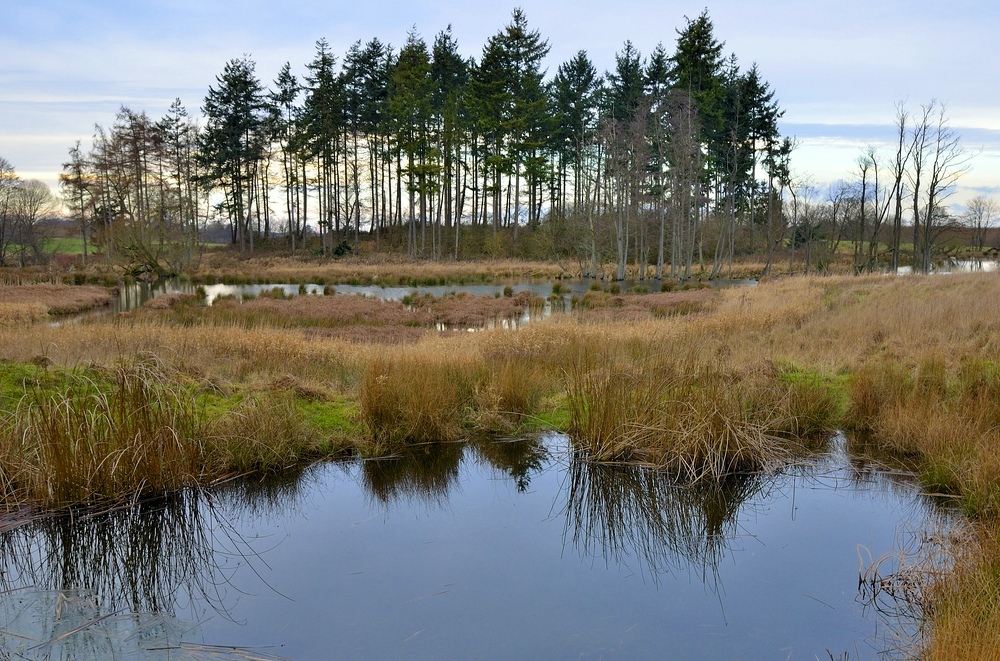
(684, 465)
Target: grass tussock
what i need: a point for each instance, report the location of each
(414, 401)
(102, 436)
(94, 441)
(964, 605)
(699, 421)
(508, 394)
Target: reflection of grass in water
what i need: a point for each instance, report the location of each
(516, 458)
(620, 512)
(110, 584)
(135, 558)
(425, 472)
(267, 496)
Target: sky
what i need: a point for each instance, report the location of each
(838, 69)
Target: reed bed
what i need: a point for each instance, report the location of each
(385, 270)
(31, 302)
(102, 436)
(739, 385)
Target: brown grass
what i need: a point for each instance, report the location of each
(964, 604)
(136, 430)
(464, 310)
(224, 266)
(735, 386)
(26, 303)
(339, 311)
(415, 401)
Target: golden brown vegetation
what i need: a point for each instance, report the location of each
(914, 362)
(21, 304)
(224, 266)
(99, 436)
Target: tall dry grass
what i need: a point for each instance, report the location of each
(702, 421)
(102, 437)
(414, 401)
(964, 605)
(24, 304)
(371, 269)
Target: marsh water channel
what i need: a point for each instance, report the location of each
(137, 294)
(134, 295)
(509, 549)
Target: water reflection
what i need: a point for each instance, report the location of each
(619, 512)
(957, 266)
(426, 473)
(518, 459)
(112, 584)
(501, 518)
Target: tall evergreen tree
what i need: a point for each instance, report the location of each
(697, 69)
(450, 75)
(576, 91)
(323, 123)
(232, 143)
(410, 104)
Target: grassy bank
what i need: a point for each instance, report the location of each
(387, 270)
(21, 305)
(700, 382)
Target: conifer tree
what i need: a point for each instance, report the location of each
(232, 143)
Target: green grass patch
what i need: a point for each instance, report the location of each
(69, 246)
(338, 419)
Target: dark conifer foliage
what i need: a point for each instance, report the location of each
(666, 159)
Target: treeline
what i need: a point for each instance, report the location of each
(665, 160)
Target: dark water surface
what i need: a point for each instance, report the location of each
(479, 550)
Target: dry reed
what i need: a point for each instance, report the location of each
(107, 436)
(372, 269)
(24, 303)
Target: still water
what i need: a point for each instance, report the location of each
(135, 295)
(480, 550)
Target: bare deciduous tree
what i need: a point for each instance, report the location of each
(939, 161)
(980, 215)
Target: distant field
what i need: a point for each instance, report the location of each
(68, 245)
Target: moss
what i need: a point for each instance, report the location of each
(554, 414)
(338, 418)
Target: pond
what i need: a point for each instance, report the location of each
(137, 294)
(478, 550)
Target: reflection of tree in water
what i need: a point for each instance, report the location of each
(118, 577)
(517, 458)
(425, 472)
(622, 512)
